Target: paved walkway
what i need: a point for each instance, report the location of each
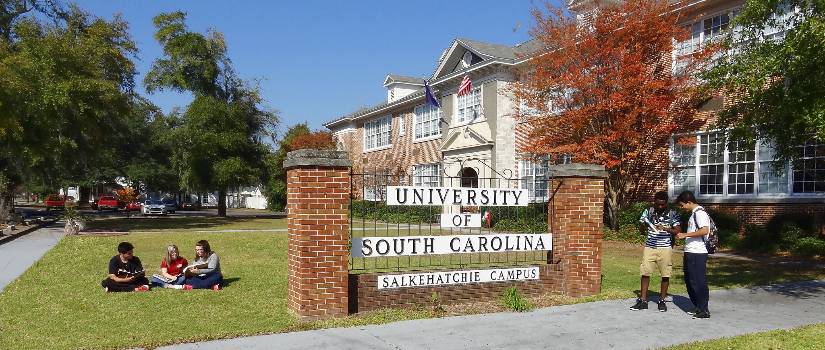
(599, 325)
(16, 256)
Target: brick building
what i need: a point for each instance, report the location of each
(475, 135)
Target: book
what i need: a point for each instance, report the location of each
(651, 226)
(163, 278)
(187, 271)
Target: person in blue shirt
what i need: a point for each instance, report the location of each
(659, 223)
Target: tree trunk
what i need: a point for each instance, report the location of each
(222, 203)
(612, 203)
(83, 200)
(6, 206)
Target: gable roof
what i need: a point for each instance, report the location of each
(395, 78)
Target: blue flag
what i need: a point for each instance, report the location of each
(428, 94)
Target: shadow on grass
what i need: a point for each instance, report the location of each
(230, 280)
(175, 223)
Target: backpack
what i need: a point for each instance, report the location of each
(712, 242)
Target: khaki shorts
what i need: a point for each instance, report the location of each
(654, 259)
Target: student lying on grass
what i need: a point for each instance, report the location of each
(171, 269)
(126, 272)
(205, 271)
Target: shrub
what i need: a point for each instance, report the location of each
(630, 213)
(805, 222)
(533, 218)
(373, 210)
(758, 239)
(808, 247)
(514, 301)
(627, 233)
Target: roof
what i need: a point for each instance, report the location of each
(490, 52)
(395, 78)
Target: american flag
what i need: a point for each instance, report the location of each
(466, 86)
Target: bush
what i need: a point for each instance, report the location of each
(808, 247)
(758, 239)
(533, 218)
(630, 213)
(373, 210)
(805, 222)
(514, 301)
(627, 233)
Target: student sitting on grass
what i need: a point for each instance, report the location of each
(125, 271)
(171, 269)
(205, 271)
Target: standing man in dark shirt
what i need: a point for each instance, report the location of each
(125, 271)
(660, 223)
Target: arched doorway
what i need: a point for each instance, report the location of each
(469, 177)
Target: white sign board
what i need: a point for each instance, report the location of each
(460, 220)
(501, 197)
(443, 278)
(365, 247)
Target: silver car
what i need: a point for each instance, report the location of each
(154, 207)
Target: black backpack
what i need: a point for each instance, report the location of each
(712, 242)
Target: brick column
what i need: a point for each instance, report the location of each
(575, 219)
(318, 190)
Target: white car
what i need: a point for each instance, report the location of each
(154, 207)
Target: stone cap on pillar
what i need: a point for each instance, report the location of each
(577, 170)
(315, 157)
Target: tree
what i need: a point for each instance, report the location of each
(219, 142)
(315, 140)
(774, 84)
(66, 81)
(275, 188)
(604, 93)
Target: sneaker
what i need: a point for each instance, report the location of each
(216, 287)
(661, 305)
(693, 312)
(187, 287)
(702, 314)
(143, 288)
(640, 305)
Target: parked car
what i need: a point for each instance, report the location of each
(70, 202)
(171, 205)
(54, 201)
(134, 206)
(154, 207)
(190, 206)
(108, 202)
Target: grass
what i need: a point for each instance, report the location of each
(802, 338)
(58, 304)
(141, 224)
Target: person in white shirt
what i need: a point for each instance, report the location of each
(696, 254)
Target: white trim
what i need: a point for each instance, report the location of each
(439, 115)
(380, 121)
(481, 116)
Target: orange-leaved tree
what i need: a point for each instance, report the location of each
(606, 91)
(314, 140)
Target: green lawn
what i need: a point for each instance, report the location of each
(58, 304)
(176, 223)
(802, 338)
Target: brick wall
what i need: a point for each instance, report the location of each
(761, 213)
(365, 295)
(318, 233)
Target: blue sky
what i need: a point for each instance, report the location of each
(318, 60)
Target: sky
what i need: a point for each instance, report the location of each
(318, 60)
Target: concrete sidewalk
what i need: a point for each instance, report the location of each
(599, 325)
(18, 255)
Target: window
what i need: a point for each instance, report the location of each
(401, 127)
(426, 121)
(377, 133)
(703, 31)
(469, 106)
(375, 186)
(809, 169)
(427, 175)
(705, 165)
(711, 164)
(534, 179)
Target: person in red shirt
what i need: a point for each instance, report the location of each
(171, 269)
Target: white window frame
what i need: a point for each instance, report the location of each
(759, 145)
(479, 112)
(427, 175)
(381, 129)
(531, 178)
(423, 114)
(402, 130)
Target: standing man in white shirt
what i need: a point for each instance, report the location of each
(696, 254)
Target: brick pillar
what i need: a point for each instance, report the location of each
(318, 190)
(575, 219)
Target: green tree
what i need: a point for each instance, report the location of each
(66, 83)
(219, 142)
(275, 188)
(774, 83)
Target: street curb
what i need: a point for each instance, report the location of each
(20, 233)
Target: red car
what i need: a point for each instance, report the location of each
(54, 201)
(108, 202)
(133, 206)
